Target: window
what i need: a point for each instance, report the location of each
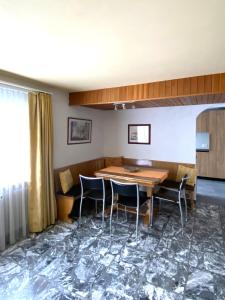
(14, 137)
(14, 165)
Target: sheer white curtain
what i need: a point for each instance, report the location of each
(14, 165)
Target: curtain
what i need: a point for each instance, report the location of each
(42, 204)
(14, 165)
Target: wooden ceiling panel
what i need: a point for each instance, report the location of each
(181, 101)
(185, 91)
(177, 91)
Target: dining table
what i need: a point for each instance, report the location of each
(146, 177)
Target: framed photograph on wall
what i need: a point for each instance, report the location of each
(79, 131)
(139, 133)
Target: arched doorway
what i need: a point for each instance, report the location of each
(211, 161)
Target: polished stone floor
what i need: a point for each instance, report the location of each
(212, 189)
(165, 263)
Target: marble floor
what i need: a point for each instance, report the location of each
(67, 262)
(211, 190)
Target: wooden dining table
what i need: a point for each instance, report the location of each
(146, 177)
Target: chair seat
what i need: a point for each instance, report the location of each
(75, 191)
(132, 201)
(164, 193)
(171, 184)
(94, 194)
(173, 192)
(97, 195)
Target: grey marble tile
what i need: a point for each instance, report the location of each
(210, 244)
(179, 250)
(196, 259)
(120, 281)
(208, 261)
(214, 262)
(160, 221)
(204, 285)
(134, 257)
(166, 274)
(176, 232)
(149, 291)
(209, 212)
(145, 242)
(84, 262)
(200, 285)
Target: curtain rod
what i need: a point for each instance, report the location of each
(23, 87)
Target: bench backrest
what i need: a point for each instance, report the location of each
(88, 168)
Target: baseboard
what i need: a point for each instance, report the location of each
(211, 178)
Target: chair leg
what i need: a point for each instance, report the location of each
(110, 221)
(185, 204)
(159, 205)
(117, 217)
(181, 213)
(126, 213)
(152, 211)
(103, 212)
(81, 201)
(96, 207)
(137, 223)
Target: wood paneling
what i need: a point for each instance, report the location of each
(212, 163)
(113, 161)
(137, 162)
(184, 91)
(171, 166)
(88, 168)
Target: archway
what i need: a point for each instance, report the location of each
(210, 152)
(210, 129)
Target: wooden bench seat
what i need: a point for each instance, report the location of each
(65, 203)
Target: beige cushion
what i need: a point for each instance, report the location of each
(191, 172)
(66, 180)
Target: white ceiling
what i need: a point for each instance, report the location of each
(91, 44)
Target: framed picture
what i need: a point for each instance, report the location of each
(139, 134)
(79, 131)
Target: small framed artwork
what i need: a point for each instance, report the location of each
(139, 133)
(79, 131)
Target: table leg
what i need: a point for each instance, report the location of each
(147, 218)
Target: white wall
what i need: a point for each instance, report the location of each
(173, 131)
(69, 154)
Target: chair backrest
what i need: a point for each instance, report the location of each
(183, 182)
(91, 183)
(125, 189)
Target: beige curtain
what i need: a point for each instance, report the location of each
(41, 200)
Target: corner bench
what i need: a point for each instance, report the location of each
(65, 203)
(69, 201)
